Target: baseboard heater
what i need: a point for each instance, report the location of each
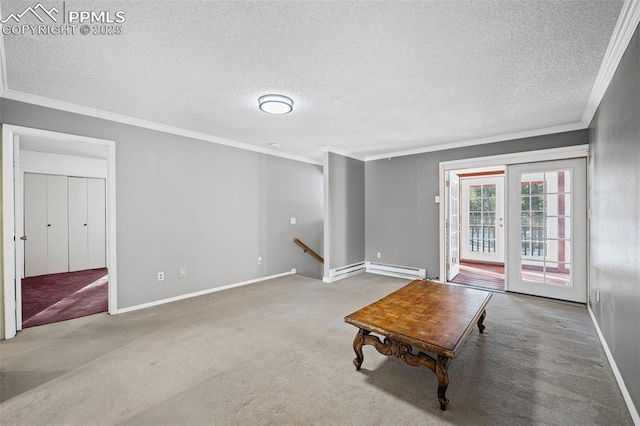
(396, 270)
(344, 272)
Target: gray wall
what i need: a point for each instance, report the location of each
(344, 195)
(402, 218)
(615, 217)
(187, 203)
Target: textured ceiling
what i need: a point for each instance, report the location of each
(366, 77)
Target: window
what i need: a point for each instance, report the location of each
(482, 218)
(545, 226)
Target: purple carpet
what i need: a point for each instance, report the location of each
(59, 297)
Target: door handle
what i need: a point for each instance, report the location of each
(23, 238)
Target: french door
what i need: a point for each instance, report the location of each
(547, 229)
(482, 219)
(453, 226)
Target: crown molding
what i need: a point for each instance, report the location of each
(342, 152)
(125, 119)
(481, 141)
(622, 34)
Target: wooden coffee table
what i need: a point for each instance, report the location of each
(437, 318)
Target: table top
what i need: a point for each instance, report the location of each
(431, 316)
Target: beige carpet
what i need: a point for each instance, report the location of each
(278, 352)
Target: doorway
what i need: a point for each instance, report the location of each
(49, 143)
(64, 275)
(478, 196)
(544, 232)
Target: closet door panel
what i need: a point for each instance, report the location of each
(35, 224)
(58, 225)
(78, 224)
(97, 223)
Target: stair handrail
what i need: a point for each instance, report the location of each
(307, 249)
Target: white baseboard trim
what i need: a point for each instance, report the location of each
(612, 362)
(341, 277)
(397, 271)
(343, 272)
(203, 292)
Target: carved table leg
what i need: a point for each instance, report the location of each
(357, 347)
(481, 320)
(443, 381)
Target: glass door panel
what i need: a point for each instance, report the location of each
(550, 199)
(482, 219)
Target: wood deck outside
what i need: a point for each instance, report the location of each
(481, 275)
(491, 276)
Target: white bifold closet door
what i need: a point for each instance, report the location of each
(45, 224)
(87, 219)
(78, 225)
(35, 225)
(64, 223)
(97, 215)
(58, 224)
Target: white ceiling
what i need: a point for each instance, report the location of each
(366, 77)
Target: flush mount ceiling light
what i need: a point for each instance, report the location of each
(275, 104)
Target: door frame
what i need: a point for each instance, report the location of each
(499, 255)
(12, 205)
(491, 162)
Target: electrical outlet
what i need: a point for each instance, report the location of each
(160, 276)
(182, 272)
(259, 260)
(379, 255)
(293, 220)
